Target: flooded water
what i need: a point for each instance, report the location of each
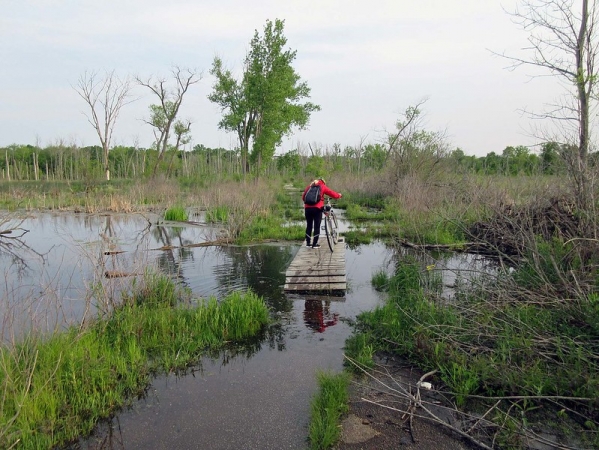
(257, 398)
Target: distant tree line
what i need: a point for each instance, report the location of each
(69, 162)
(514, 161)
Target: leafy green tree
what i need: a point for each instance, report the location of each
(315, 166)
(551, 162)
(491, 163)
(375, 156)
(266, 103)
(289, 162)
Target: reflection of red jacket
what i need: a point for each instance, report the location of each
(324, 190)
(317, 317)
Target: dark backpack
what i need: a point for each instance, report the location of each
(312, 197)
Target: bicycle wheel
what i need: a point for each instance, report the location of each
(334, 216)
(331, 231)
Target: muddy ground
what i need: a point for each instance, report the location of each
(383, 415)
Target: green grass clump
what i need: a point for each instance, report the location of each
(358, 237)
(271, 227)
(360, 349)
(380, 280)
(327, 408)
(364, 199)
(389, 212)
(217, 214)
(57, 388)
(427, 229)
(176, 213)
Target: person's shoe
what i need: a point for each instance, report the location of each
(308, 244)
(316, 246)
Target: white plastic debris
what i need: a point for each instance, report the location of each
(424, 384)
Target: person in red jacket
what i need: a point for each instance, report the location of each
(314, 212)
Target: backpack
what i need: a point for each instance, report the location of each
(312, 196)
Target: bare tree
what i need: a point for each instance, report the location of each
(411, 150)
(105, 97)
(563, 41)
(164, 114)
(405, 127)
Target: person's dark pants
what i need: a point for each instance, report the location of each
(313, 219)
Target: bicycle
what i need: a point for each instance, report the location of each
(330, 224)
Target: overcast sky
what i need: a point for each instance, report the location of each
(365, 61)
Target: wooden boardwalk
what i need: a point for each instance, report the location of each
(318, 270)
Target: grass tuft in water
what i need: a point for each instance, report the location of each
(176, 213)
(217, 214)
(380, 280)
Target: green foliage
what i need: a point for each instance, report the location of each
(380, 280)
(426, 228)
(316, 166)
(461, 381)
(271, 227)
(265, 103)
(176, 213)
(289, 163)
(366, 199)
(217, 214)
(360, 348)
(56, 389)
(374, 156)
(545, 264)
(481, 344)
(358, 237)
(327, 408)
(356, 212)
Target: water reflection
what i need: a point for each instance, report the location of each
(318, 315)
(68, 266)
(254, 395)
(455, 270)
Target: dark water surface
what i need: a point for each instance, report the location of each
(255, 398)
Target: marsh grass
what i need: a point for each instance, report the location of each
(288, 204)
(57, 387)
(327, 408)
(380, 280)
(176, 213)
(496, 341)
(217, 214)
(237, 202)
(271, 227)
(389, 212)
(91, 197)
(356, 238)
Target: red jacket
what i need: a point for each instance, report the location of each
(324, 190)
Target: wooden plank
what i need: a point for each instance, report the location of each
(330, 296)
(316, 287)
(319, 280)
(307, 263)
(321, 266)
(314, 273)
(317, 270)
